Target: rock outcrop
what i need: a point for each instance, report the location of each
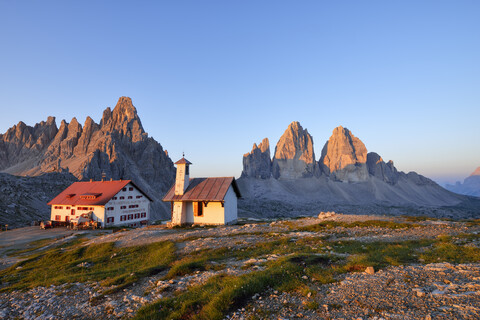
(344, 157)
(470, 186)
(294, 156)
(117, 147)
(257, 163)
(381, 170)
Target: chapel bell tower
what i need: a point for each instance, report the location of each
(183, 176)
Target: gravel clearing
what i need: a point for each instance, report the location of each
(433, 291)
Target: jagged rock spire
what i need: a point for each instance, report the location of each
(344, 157)
(257, 163)
(294, 156)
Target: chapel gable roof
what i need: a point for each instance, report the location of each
(204, 189)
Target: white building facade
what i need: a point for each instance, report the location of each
(111, 203)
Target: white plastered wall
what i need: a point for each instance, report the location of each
(231, 213)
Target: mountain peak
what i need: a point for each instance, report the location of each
(124, 119)
(294, 156)
(344, 156)
(476, 172)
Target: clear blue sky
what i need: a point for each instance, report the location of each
(210, 78)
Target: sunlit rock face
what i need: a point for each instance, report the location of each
(117, 147)
(381, 170)
(257, 163)
(294, 156)
(21, 142)
(344, 157)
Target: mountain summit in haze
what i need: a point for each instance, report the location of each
(117, 147)
(470, 186)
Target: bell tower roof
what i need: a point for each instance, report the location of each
(183, 161)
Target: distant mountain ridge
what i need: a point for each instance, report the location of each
(470, 186)
(118, 147)
(345, 174)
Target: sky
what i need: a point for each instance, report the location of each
(210, 78)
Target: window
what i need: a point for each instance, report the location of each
(72, 212)
(68, 208)
(124, 189)
(130, 197)
(110, 208)
(91, 208)
(122, 197)
(114, 198)
(198, 209)
(130, 216)
(67, 218)
(58, 218)
(123, 218)
(110, 219)
(138, 197)
(58, 207)
(144, 214)
(133, 206)
(187, 170)
(131, 188)
(136, 215)
(123, 207)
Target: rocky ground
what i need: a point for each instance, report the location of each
(432, 291)
(414, 291)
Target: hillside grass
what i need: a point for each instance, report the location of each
(104, 262)
(360, 224)
(213, 299)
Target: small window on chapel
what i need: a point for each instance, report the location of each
(198, 209)
(187, 170)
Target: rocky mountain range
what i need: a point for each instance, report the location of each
(292, 182)
(345, 176)
(470, 186)
(117, 147)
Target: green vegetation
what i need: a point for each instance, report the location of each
(379, 254)
(361, 224)
(223, 293)
(100, 262)
(32, 246)
(446, 250)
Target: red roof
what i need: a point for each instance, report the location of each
(91, 192)
(204, 189)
